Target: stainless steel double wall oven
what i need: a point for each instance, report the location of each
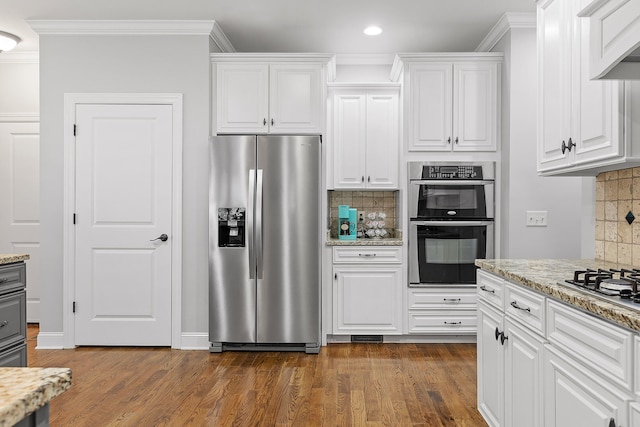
(451, 221)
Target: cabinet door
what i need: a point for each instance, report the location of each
(554, 83)
(475, 106)
(573, 397)
(431, 97)
(295, 98)
(523, 377)
(242, 98)
(490, 365)
(382, 140)
(597, 103)
(367, 300)
(349, 139)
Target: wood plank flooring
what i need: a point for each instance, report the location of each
(345, 385)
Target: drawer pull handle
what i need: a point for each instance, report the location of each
(4, 323)
(452, 323)
(514, 304)
(367, 255)
(452, 299)
(487, 290)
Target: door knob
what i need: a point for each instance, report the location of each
(162, 237)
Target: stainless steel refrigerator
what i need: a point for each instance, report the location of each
(264, 243)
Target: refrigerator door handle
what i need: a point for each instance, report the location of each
(259, 223)
(249, 218)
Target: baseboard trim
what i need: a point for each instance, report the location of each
(194, 341)
(50, 341)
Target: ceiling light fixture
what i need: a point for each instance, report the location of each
(372, 30)
(8, 41)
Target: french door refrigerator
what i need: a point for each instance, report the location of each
(264, 243)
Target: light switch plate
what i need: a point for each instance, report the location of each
(536, 218)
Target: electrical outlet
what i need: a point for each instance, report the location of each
(361, 216)
(536, 218)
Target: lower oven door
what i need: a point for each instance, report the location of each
(444, 252)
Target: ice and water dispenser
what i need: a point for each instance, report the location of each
(231, 227)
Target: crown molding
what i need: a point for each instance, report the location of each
(271, 57)
(19, 58)
(121, 27)
(506, 22)
(220, 39)
(364, 59)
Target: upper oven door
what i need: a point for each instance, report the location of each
(456, 199)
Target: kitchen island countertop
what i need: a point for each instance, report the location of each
(547, 276)
(25, 390)
(10, 258)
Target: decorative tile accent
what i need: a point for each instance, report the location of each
(617, 234)
(364, 201)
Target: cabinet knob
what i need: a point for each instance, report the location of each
(456, 140)
(503, 338)
(571, 145)
(264, 122)
(449, 140)
(335, 276)
(369, 179)
(362, 178)
(272, 122)
(498, 333)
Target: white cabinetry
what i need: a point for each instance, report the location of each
(442, 311)
(365, 134)
(452, 102)
(615, 38)
(580, 122)
(510, 348)
(257, 95)
(367, 290)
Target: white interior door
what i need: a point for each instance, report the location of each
(123, 202)
(20, 202)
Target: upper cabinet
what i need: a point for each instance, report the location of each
(582, 126)
(614, 39)
(257, 94)
(451, 101)
(364, 130)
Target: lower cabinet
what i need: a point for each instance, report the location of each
(548, 364)
(442, 311)
(13, 315)
(575, 397)
(367, 291)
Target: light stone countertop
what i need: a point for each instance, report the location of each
(24, 390)
(548, 275)
(9, 258)
(384, 241)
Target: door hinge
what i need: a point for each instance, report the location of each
(74, 219)
(74, 130)
(74, 306)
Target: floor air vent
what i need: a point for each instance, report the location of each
(366, 338)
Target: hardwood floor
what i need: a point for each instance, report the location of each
(345, 385)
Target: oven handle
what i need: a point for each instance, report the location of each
(452, 182)
(451, 223)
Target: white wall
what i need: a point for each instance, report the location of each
(130, 64)
(19, 86)
(521, 187)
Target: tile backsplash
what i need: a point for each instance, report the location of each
(617, 195)
(364, 201)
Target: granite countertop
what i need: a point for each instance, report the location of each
(24, 390)
(547, 276)
(9, 258)
(366, 241)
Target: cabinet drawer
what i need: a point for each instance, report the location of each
(14, 357)
(636, 368)
(368, 254)
(596, 343)
(462, 322)
(442, 298)
(525, 306)
(12, 277)
(490, 288)
(13, 318)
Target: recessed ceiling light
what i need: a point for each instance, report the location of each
(372, 30)
(8, 41)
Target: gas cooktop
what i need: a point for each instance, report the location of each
(620, 287)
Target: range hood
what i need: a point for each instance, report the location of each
(614, 39)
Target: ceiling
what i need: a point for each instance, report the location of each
(327, 26)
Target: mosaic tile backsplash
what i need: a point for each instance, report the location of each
(617, 194)
(367, 202)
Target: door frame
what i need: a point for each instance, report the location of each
(71, 100)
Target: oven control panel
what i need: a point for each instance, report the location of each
(452, 172)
